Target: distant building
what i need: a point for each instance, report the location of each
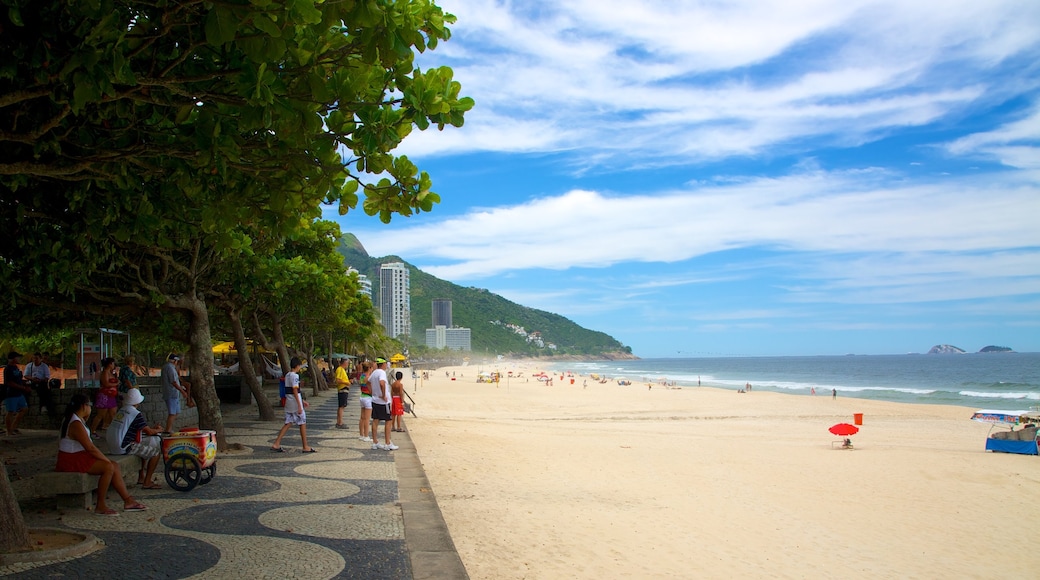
(366, 284)
(450, 338)
(395, 305)
(441, 313)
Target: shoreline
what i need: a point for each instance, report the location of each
(601, 480)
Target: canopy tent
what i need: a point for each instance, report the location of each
(398, 358)
(1005, 417)
(229, 348)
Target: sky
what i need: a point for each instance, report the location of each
(726, 178)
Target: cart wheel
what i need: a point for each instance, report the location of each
(208, 474)
(183, 472)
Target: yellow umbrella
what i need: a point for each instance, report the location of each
(398, 358)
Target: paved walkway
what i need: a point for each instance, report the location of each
(347, 511)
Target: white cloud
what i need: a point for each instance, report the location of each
(1016, 144)
(815, 212)
(707, 80)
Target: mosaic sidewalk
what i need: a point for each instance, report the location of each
(337, 513)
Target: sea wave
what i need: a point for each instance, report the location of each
(992, 395)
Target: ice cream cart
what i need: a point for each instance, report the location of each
(190, 458)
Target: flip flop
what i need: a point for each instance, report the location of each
(137, 507)
(311, 450)
(109, 512)
(151, 485)
(278, 450)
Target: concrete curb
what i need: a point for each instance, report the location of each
(88, 544)
(430, 547)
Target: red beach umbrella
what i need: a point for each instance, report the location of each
(844, 429)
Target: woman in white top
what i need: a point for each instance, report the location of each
(76, 453)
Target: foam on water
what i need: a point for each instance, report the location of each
(967, 380)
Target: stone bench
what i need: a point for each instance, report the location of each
(77, 490)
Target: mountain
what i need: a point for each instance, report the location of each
(945, 349)
(495, 323)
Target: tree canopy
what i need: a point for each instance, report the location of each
(147, 146)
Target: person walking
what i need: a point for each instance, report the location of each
(342, 390)
(295, 408)
(380, 406)
(173, 387)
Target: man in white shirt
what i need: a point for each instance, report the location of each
(38, 374)
(380, 405)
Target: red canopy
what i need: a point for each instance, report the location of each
(844, 429)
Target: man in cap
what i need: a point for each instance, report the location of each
(173, 388)
(380, 406)
(15, 391)
(130, 434)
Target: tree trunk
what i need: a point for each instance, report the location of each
(200, 361)
(13, 533)
(279, 343)
(246, 366)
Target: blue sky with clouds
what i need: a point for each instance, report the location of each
(742, 178)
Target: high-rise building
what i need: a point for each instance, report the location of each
(395, 305)
(441, 313)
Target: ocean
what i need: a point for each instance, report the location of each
(1006, 381)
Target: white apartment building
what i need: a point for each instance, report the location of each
(395, 305)
(450, 338)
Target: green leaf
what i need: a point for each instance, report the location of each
(221, 26)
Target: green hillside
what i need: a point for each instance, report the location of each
(486, 314)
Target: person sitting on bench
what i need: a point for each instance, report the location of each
(77, 453)
(130, 434)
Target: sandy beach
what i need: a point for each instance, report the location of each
(597, 480)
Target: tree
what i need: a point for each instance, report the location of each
(144, 145)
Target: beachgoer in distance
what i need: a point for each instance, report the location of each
(130, 434)
(15, 390)
(365, 400)
(173, 387)
(397, 407)
(380, 405)
(342, 390)
(107, 399)
(834, 393)
(295, 407)
(77, 454)
(38, 376)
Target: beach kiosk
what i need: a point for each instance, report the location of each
(1011, 431)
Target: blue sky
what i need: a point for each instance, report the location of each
(742, 178)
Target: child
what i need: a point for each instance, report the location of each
(397, 392)
(295, 413)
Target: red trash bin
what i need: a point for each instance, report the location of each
(857, 418)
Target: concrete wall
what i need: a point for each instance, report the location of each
(153, 407)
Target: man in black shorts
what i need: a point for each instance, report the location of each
(380, 405)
